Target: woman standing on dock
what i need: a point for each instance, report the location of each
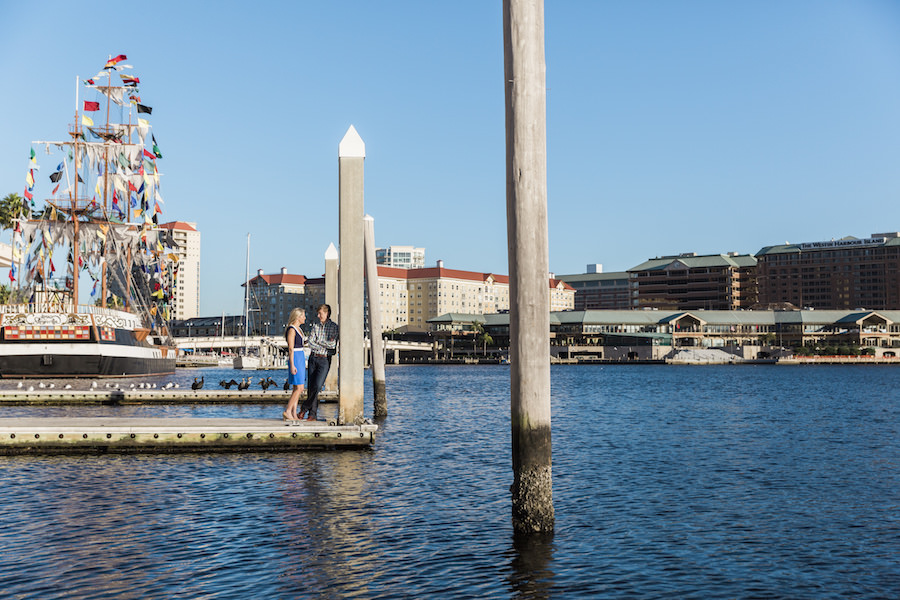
(296, 362)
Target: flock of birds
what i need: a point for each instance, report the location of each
(110, 386)
(243, 384)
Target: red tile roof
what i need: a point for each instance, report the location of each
(177, 225)
(278, 278)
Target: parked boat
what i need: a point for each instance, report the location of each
(103, 225)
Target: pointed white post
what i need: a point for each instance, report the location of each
(351, 156)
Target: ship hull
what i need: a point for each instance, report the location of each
(83, 360)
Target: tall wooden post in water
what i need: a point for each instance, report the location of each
(529, 264)
(351, 156)
(331, 299)
(376, 341)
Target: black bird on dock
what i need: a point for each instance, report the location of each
(227, 384)
(197, 384)
(264, 384)
(286, 385)
(244, 384)
(223, 384)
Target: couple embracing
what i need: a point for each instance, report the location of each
(323, 339)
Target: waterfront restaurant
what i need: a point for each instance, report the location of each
(658, 334)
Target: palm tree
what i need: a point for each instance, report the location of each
(487, 340)
(481, 336)
(11, 207)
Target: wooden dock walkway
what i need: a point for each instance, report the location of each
(112, 434)
(59, 397)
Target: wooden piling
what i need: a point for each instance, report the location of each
(376, 341)
(526, 205)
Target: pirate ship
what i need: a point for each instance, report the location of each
(103, 228)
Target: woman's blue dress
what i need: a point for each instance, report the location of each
(298, 378)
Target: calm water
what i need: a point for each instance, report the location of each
(669, 482)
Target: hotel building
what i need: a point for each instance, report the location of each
(843, 274)
(437, 290)
(186, 291)
(273, 297)
(691, 282)
(408, 297)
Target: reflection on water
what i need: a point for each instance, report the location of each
(531, 575)
(726, 482)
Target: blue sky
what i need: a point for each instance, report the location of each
(690, 126)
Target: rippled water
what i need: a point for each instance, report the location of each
(669, 482)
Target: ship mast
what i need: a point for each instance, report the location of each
(74, 200)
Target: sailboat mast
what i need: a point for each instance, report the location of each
(247, 295)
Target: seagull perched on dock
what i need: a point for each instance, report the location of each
(197, 384)
(20, 385)
(41, 385)
(68, 386)
(30, 388)
(94, 385)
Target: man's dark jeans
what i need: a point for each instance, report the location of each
(315, 379)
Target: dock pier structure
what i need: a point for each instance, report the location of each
(130, 435)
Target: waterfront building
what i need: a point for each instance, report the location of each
(437, 290)
(562, 295)
(185, 293)
(596, 290)
(658, 334)
(394, 298)
(401, 257)
(840, 274)
(691, 282)
(408, 297)
(272, 298)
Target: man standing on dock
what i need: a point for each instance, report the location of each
(323, 339)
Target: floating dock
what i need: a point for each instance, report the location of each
(130, 435)
(62, 397)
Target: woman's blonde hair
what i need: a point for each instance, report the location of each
(295, 314)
